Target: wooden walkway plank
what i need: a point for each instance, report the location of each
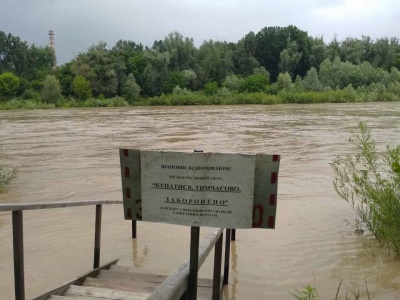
(122, 276)
(56, 297)
(75, 290)
(138, 286)
(77, 281)
(135, 270)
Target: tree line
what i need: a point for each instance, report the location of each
(275, 60)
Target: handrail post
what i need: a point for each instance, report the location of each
(134, 229)
(194, 262)
(18, 245)
(227, 254)
(233, 237)
(217, 268)
(97, 237)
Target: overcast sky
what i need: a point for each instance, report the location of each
(78, 24)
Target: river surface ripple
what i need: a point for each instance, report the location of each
(73, 155)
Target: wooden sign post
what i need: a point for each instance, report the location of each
(200, 189)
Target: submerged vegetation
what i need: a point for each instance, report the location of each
(6, 174)
(275, 65)
(310, 292)
(370, 182)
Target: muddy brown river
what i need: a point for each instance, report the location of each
(73, 155)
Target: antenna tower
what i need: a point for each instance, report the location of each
(52, 45)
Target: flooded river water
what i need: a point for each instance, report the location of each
(73, 155)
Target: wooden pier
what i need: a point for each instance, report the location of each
(112, 281)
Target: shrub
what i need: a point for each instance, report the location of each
(6, 174)
(51, 91)
(255, 83)
(81, 88)
(179, 91)
(370, 182)
(25, 104)
(211, 88)
(132, 89)
(9, 84)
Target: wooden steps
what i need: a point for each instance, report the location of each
(122, 283)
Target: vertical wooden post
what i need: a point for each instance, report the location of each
(97, 237)
(233, 235)
(217, 268)
(18, 245)
(134, 229)
(227, 254)
(194, 262)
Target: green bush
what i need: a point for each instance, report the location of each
(25, 104)
(9, 84)
(254, 83)
(211, 88)
(370, 182)
(117, 102)
(51, 91)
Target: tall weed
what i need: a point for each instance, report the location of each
(370, 182)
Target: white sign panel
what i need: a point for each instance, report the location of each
(197, 189)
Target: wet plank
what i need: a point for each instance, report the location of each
(137, 286)
(110, 294)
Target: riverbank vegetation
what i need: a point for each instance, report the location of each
(275, 65)
(369, 181)
(6, 174)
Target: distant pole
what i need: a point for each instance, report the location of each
(52, 45)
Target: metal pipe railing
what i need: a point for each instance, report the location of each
(18, 239)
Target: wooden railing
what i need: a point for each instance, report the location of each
(18, 240)
(182, 284)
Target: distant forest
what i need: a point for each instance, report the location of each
(273, 61)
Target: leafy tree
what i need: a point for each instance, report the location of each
(261, 71)
(232, 82)
(384, 53)
(352, 50)
(284, 82)
(211, 88)
(99, 67)
(132, 89)
(181, 50)
(333, 49)
(243, 58)
(136, 65)
(311, 81)
(335, 74)
(65, 76)
(9, 84)
(190, 78)
(215, 61)
(298, 84)
(271, 41)
(51, 91)
(13, 54)
(289, 57)
(156, 71)
(81, 88)
(39, 62)
(255, 83)
(317, 52)
(174, 79)
(179, 91)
